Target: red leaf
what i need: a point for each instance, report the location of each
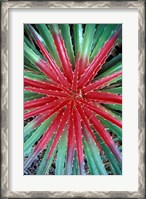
(83, 65)
(47, 92)
(70, 147)
(59, 43)
(47, 108)
(38, 102)
(86, 122)
(60, 130)
(38, 84)
(106, 98)
(44, 67)
(100, 83)
(70, 144)
(48, 134)
(101, 112)
(78, 135)
(75, 76)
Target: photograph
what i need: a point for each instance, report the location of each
(72, 99)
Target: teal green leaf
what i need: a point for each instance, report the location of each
(116, 90)
(75, 169)
(108, 29)
(46, 35)
(30, 66)
(49, 163)
(92, 166)
(40, 170)
(110, 156)
(30, 45)
(117, 107)
(78, 38)
(62, 146)
(97, 35)
(35, 76)
(115, 114)
(37, 134)
(65, 32)
(87, 41)
(31, 95)
(117, 67)
(112, 128)
(30, 54)
(111, 63)
(95, 153)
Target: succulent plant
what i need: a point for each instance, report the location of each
(73, 98)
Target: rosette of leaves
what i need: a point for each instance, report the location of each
(73, 98)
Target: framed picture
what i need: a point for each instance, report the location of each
(73, 99)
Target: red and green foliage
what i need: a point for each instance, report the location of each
(73, 98)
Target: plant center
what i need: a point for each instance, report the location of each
(76, 95)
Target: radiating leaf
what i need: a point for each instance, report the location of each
(95, 156)
(78, 38)
(65, 31)
(61, 154)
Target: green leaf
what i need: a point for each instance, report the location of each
(117, 107)
(40, 170)
(108, 29)
(78, 38)
(87, 41)
(37, 134)
(29, 135)
(95, 153)
(46, 35)
(120, 148)
(117, 67)
(115, 114)
(30, 54)
(26, 138)
(117, 90)
(62, 146)
(65, 32)
(49, 163)
(117, 80)
(30, 45)
(35, 76)
(110, 156)
(30, 66)
(99, 31)
(32, 36)
(111, 63)
(113, 128)
(30, 96)
(92, 166)
(75, 169)
(54, 28)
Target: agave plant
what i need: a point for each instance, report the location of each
(73, 98)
